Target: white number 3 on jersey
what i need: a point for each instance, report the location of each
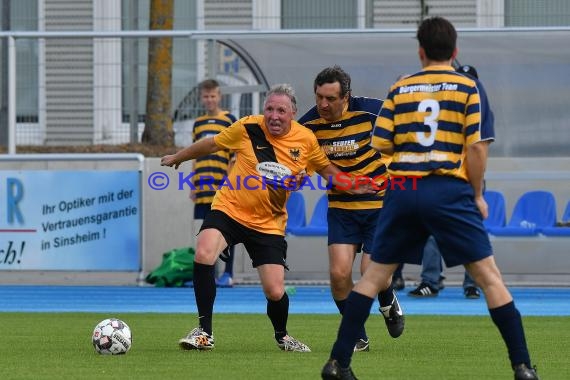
(430, 120)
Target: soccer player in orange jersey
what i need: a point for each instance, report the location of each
(249, 207)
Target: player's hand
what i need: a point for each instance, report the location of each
(367, 188)
(170, 160)
(298, 181)
(192, 195)
(482, 206)
(363, 185)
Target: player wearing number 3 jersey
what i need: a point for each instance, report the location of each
(438, 114)
(431, 124)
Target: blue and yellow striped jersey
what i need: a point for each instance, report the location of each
(429, 119)
(211, 169)
(346, 143)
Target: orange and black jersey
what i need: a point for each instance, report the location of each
(211, 169)
(346, 142)
(429, 119)
(253, 193)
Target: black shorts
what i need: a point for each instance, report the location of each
(262, 248)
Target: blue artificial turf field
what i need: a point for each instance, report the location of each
(249, 299)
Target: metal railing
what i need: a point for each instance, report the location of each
(274, 56)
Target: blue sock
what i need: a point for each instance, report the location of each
(386, 297)
(356, 312)
(341, 304)
(508, 319)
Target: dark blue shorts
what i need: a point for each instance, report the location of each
(353, 227)
(201, 210)
(440, 206)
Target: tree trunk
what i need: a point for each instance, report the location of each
(158, 123)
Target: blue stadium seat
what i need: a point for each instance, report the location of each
(534, 210)
(497, 213)
(318, 225)
(295, 211)
(559, 231)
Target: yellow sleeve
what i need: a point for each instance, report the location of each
(317, 158)
(383, 132)
(231, 138)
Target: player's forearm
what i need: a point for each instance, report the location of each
(197, 150)
(332, 173)
(387, 151)
(476, 165)
(343, 181)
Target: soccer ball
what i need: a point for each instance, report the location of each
(112, 337)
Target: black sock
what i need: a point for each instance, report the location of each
(205, 293)
(278, 313)
(386, 297)
(356, 313)
(508, 319)
(230, 263)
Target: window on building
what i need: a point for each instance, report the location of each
(537, 13)
(23, 16)
(318, 14)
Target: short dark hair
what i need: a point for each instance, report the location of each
(437, 37)
(331, 75)
(208, 84)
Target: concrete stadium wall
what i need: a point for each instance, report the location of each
(168, 224)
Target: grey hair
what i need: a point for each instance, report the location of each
(283, 89)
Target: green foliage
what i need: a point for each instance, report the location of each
(58, 346)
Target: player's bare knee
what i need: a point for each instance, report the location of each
(205, 255)
(274, 293)
(340, 275)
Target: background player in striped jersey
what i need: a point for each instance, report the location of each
(431, 123)
(211, 169)
(343, 125)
